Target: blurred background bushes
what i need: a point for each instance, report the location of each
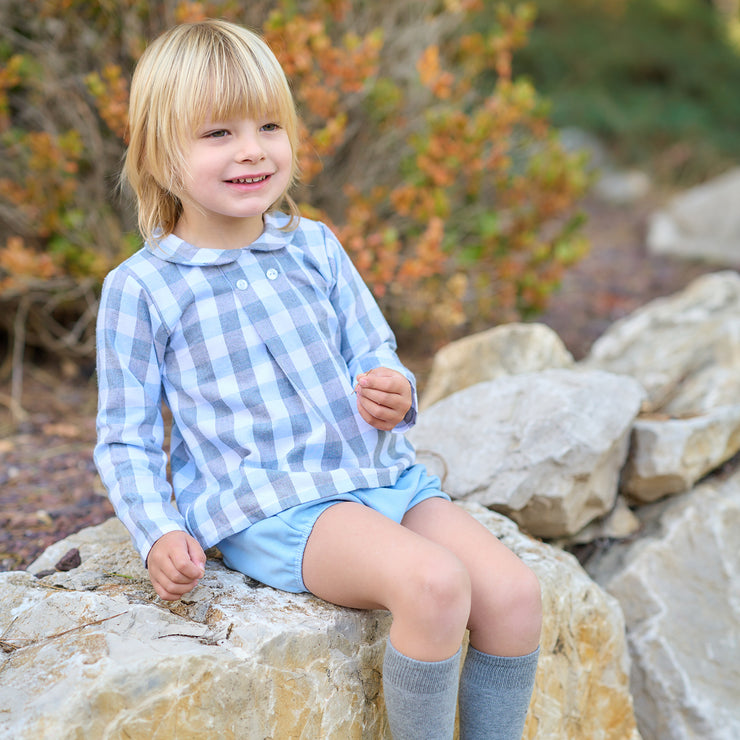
(438, 169)
(656, 80)
(430, 140)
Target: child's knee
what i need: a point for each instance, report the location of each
(511, 606)
(439, 591)
(527, 602)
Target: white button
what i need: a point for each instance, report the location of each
(241, 284)
(272, 273)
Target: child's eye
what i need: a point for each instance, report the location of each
(218, 134)
(269, 127)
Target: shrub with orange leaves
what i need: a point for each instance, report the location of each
(438, 170)
(480, 201)
(110, 90)
(18, 262)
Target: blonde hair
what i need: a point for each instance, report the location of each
(211, 70)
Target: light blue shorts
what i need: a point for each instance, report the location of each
(271, 550)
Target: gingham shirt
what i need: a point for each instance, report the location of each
(256, 352)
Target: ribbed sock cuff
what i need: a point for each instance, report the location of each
(497, 672)
(419, 676)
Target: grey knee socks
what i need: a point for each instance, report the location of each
(420, 697)
(494, 695)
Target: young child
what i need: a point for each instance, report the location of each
(288, 401)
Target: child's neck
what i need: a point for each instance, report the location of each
(230, 234)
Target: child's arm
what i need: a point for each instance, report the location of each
(176, 563)
(129, 454)
(369, 348)
(384, 397)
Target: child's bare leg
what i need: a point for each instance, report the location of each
(498, 674)
(359, 558)
(506, 611)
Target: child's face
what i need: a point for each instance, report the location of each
(234, 171)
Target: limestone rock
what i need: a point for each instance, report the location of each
(99, 655)
(508, 349)
(94, 653)
(669, 456)
(544, 448)
(683, 349)
(702, 223)
(617, 524)
(679, 589)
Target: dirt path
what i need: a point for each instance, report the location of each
(48, 484)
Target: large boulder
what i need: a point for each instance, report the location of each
(544, 448)
(93, 653)
(669, 456)
(679, 587)
(702, 223)
(99, 655)
(685, 351)
(508, 349)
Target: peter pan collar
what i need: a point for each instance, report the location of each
(173, 249)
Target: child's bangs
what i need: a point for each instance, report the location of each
(239, 85)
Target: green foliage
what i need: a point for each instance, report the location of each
(656, 79)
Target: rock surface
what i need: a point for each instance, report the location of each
(544, 448)
(622, 187)
(702, 223)
(93, 652)
(617, 524)
(669, 455)
(683, 349)
(230, 660)
(679, 587)
(508, 349)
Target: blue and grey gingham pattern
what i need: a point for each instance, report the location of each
(256, 352)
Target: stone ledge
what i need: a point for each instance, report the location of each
(94, 653)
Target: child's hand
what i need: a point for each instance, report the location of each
(383, 397)
(176, 563)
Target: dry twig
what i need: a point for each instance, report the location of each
(8, 647)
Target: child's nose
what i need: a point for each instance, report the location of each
(249, 149)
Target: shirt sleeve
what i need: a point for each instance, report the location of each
(129, 453)
(367, 339)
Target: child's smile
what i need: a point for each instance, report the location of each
(235, 170)
(249, 180)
